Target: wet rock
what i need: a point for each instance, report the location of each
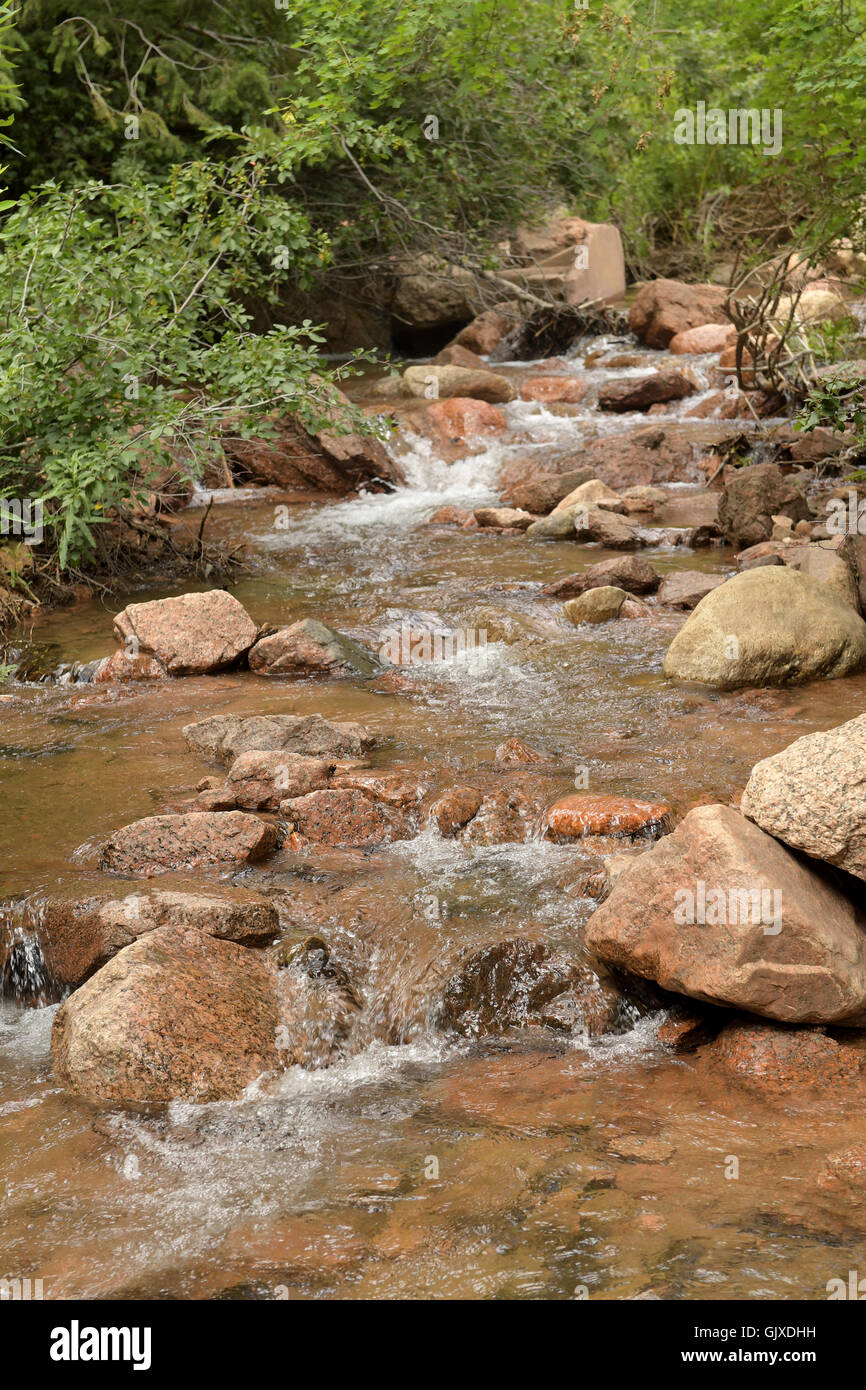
(764, 553)
(649, 497)
(844, 1172)
(509, 517)
(215, 799)
(190, 635)
(160, 844)
(686, 1029)
(541, 494)
(450, 516)
(454, 355)
(261, 780)
(177, 1015)
(553, 388)
(686, 588)
(639, 393)
(79, 936)
(591, 1006)
(585, 813)
(641, 1148)
(308, 648)
(448, 382)
(648, 455)
(723, 913)
(665, 308)
(403, 788)
(324, 462)
(784, 1057)
(506, 817)
(514, 750)
(122, 667)
(344, 817)
(767, 626)
(506, 985)
(559, 526)
(609, 530)
(587, 494)
(486, 331)
(462, 422)
(752, 498)
(629, 572)
(598, 605)
(226, 736)
(707, 337)
(455, 808)
(812, 796)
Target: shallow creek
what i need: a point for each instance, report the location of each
(529, 1165)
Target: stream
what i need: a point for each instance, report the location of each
(526, 1164)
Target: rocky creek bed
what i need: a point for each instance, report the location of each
(348, 898)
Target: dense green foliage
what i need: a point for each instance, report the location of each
(183, 162)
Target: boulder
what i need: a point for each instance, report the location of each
(587, 494)
(176, 1015)
(260, 780)
(199, 839)
(225, 736)
(540, 495)
(664, 308)
(577, 261)
(431, 293)
(720, 911)
(506, 517)
(344, 817)
(686, 588)
(487, 330)
(629, 572)
(461, 422)
(707, 337)
(309, 648)
(559, 526)
(587, 813)
(122, 667)
(78, 936)
(598, 605)
(605, 527)
(647, 455)
(786, 1058)
(812, 796)
(752, 498)
(333, 461)
(832, 562)
(456, 356)
(767, 626)
(815, 305)
(447, 382)
(639, 393)
(454, 808)
(190, 635)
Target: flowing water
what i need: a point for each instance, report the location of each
(420, 1163)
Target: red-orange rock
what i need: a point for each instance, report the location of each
(707, 337)
(455, 808)
(664, 308)
(569, 389)
(344, 817)
(514, 750)
(462, 421)
(189, 635)
(199, 839)
(586, 814)
(786, 1057)
(121, 666)
(261, 780)
(176, 1015)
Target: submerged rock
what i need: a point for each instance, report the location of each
(455, 808)
(190, 635)
(722, 912)
(308, 648)
(784, 1057)
(199, 839)
(177, 1015)
(768, 626)
(812, 796)
(586, 813)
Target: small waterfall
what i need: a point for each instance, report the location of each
(24, 975)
